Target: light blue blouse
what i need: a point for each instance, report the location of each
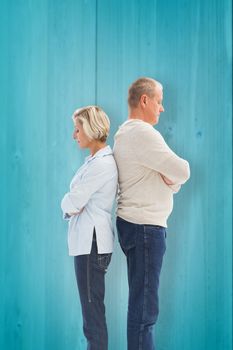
(92, 191)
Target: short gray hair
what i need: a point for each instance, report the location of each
(94, 121)
(142, 86)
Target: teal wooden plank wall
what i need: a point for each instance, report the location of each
(58, 55)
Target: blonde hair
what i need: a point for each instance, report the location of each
(142, 86)
(94, 121)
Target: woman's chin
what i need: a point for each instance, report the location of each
(81, 146)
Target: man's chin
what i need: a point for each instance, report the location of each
(156, 121)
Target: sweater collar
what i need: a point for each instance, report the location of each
(133, 120)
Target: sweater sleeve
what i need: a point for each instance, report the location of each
(153, 152)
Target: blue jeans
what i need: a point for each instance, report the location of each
(144, 247)
(90, 275)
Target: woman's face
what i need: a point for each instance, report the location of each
(80, 136)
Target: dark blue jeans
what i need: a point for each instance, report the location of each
(144, 247)
(90, 275)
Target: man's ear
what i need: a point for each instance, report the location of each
(143, 101)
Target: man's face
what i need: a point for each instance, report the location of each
(154, 107)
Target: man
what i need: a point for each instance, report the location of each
(149, 174)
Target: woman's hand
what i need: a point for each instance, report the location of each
(76, 213)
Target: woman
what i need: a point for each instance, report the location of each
(88, 208)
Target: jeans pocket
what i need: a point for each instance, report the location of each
(158, 232)
(103, 260)
(127, 234)
(155, 238)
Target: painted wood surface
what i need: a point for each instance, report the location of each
(60, 55)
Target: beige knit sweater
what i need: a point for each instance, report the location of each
(142, 156)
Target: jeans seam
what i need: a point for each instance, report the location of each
(88, 279)
(146, 255)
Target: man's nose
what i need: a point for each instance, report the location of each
(162, 109)
(74, 135)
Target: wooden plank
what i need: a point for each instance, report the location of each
(51, 64)
(185, 45)
(57, 56)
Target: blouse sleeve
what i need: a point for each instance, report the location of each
(97, 175)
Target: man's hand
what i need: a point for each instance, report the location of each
(166, 180)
